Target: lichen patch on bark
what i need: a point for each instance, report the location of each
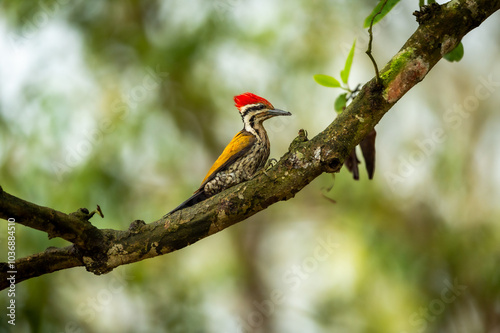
(414, 72)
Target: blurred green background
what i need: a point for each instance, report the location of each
(126, 104)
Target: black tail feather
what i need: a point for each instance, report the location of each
(194, 199)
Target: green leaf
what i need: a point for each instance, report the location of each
(387, 8)
(344, 74)
(456, 54)
(340, 103)
(327, 81)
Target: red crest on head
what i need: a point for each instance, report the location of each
(249, 98)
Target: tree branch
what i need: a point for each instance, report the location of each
(51, 260)
(74, 227)
(441, 29)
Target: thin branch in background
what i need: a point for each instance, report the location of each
(369, 50)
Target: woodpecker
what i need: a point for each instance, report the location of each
(245, 155)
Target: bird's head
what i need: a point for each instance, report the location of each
(255, 109)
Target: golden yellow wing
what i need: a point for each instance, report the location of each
(238, 146)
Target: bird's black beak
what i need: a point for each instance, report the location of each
(278, 112)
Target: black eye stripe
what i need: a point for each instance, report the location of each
(252, 108)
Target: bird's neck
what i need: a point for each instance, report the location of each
(258, 131)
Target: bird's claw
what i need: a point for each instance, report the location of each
(269, 165)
